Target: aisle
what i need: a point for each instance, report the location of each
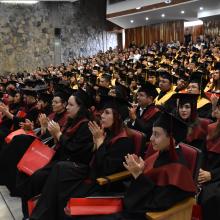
(10, 207)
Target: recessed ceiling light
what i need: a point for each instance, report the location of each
(182, 12)
(167, 1)
(201, 8)
(132, 21)
(146, 18)
(163, 15)
(138, 8)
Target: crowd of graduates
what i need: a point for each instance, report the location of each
(86, 109)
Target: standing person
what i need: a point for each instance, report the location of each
(209, 176)
(111, 144)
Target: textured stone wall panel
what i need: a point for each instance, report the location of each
(27, 37)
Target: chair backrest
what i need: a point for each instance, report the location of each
(194, 158)
(139, 139)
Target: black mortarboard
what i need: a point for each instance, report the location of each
(149, 89)
(68, 74)
(122, 91)
(102, 91)
(217, 66)
(45, 97)
(84, 97)
(63, 92)
(174, 126)
(183, 98)
(200, 78)
(30, 91)
(11, 92)
(166, 75)
(118, 104)
(165, 65)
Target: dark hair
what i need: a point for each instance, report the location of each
(83, 111)
(117, 122)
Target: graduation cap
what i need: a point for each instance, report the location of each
(149, 89)
(45, 97)
(174, 127)
(84, 97)
(166, 75)
(118, 104)
(176, 62)
(200, 78)
(11, 92)
(183, 98)
(122, 91)
(217, 66)
(30, 92)
(102, 91)
(152, 72)
(68, 74)
(11, 82)
(63, 92)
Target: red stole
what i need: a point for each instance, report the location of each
(174, 174)
(213, 145)
(200, 130)
(62, 120)
(150, 113)
(122, 134)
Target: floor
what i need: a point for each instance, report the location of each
(10, 207)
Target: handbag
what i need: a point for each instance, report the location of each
(9, 138)
(37, 156)
(94, 206)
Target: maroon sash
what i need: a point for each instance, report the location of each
(213, 145)
(174, 174)
(150, 113)
(122, 134)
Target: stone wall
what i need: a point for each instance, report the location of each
(27, 37)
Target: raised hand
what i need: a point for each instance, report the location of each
(134, 164)
(54, 129)
(98, 133)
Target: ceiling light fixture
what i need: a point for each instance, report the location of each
(132, 21)
(163, 15)
(167, 1)
(201, 8)
(182, 12)
(138, 8)
(19, 2)
(146, 18)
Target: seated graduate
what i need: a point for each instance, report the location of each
(111, 144)
(197, 84)
(197, 127)
(150, 190)
(73, 143)
(143, 116)
(13, 152)
(166, 86)
(209, 176)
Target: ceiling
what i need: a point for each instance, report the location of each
(123, 12)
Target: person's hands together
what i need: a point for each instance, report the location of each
(134, 164)
(54, 129)
(27, 125)
(98, 133)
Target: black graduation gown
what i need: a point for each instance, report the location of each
(209, 197)
(77, 180)
(77, 147)
(13, 152)
(144, 195)
(205, 111)
(144, 122)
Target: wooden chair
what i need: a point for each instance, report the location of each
(181, 211)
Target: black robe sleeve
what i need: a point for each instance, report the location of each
(143, 126)
(78, 147)
(109, 158)
(143, 196)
